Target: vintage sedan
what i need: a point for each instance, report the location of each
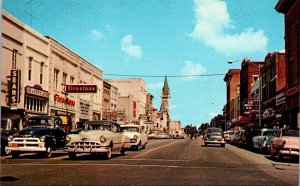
(285, 143)
(214, 136)
(261, 142)
(138, 138)
(98, 137)
(42, 135)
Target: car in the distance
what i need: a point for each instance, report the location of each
(98, 137)
(138, 138)
(214, 135)
(285, 143)
(43, 134)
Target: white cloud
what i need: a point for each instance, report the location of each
(213, 19)
(191, 69)
(129, 48)
(95, 35)
(155, 86)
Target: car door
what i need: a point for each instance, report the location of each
(117, 136)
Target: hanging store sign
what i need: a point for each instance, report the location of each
(15, 83)
(36, 92)
(81, 88)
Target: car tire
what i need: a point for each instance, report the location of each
(279, 156)
(48, 152)
(15, 154)
(72, 155)
(222, 145)
(144, 146)
(123, 152)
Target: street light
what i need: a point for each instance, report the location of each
(260, 89)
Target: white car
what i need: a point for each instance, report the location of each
(97, 137)
(138, 139)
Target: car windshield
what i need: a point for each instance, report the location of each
(289, 132)
(130, 129)
(41, 122)
(216, 130)
(269, 133)
(98, 126)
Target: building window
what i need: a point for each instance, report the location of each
(29, 67)
(71, 79)
(41, 72)
(238, 90)
(14, 58)
(56, 72)
(64, 82)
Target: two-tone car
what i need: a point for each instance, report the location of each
(285, 143)
(138, 138)
(97, 137)
(214, 135)
(261, 142)
(43, 135)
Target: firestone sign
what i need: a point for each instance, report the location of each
(81, 88)
(15, 78)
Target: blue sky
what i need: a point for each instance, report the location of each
(163, 37)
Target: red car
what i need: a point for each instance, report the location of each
(285, 144)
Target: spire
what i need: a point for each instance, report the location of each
(165, 89)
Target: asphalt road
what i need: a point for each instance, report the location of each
(163, 162)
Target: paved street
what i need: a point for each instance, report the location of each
(163, 162)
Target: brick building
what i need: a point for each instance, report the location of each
(291, 9)
(273, 85)
(249, 73)
(232, 79)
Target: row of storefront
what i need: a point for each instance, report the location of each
(35, 72)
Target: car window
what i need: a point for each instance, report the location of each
(130, 129)
(289, 132)
(269, 133)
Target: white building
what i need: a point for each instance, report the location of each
(132, 97)
(25, 66)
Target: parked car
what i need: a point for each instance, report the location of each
(78, 127)
(138, 138)
(178, 134)
(247, 137)
(98, 137)
(214, 136)
(153, 136)
(43, 134)
(285, 143)
(231, 135)
(261, 142)
(8, 127)
(238, 137)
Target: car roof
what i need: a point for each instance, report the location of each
(45, 117)
(103, 122)
(130, 125)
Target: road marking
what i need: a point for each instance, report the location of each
(154, 149)
(141, 166)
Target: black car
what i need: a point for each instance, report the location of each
(8, 127)
(43, 134)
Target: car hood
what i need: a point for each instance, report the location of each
(291, 141)
(91, 135)
(131, 134)
(33, 132)
(6, 133)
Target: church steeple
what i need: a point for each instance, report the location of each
(165, 89)
(165, 96)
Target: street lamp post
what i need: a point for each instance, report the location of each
(259, 88)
